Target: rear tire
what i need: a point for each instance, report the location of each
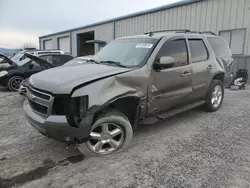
(111, 132)
(214, 96)
(14, 83)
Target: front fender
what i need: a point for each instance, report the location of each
(103, 92)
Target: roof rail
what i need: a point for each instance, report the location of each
(180, 31)
(176, 30)
(208, 32)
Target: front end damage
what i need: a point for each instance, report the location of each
(70, 116)
(126, 91)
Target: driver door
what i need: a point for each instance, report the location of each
(171, 86)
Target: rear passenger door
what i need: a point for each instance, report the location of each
(201, 66)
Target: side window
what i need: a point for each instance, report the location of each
(198, 50)
(176, 49)
(61, 59)
(35, 64)
(2, 60)
(219, 46)
(48, 58)
(4, 63)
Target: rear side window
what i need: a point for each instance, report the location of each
(47, 58)
(198, 50)
(176, 49)
(61, 59)
(219, 46)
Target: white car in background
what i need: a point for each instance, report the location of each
(18, 56)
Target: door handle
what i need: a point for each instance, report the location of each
(186, 74)
(209, 67)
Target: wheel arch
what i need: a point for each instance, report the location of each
(128, 105)
(219, 76)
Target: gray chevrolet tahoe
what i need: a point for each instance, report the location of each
(96, 104)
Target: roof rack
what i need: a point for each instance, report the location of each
(169, 30)
(207, 32)
(180, 31)
(48, 50)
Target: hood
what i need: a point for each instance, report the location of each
(62, 80)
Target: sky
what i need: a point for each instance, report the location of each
(23, 21)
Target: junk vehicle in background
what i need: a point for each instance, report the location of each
(240, 80)
(75, 61)
(11, 76)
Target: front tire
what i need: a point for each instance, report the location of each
(215, 96)
(14, 83)
(110, 133)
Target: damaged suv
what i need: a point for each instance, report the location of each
(97, 104)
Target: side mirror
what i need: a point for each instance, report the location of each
(31, 65)
(164, 62)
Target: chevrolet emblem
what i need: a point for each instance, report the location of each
(30, 96)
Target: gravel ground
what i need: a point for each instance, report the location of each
(192, 149)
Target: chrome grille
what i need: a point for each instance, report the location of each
(40, 102)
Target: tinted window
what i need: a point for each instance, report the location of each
(198, 50)
(61, 59)
(35, 64)
(176, 49)
(219, 46)
(47, 58)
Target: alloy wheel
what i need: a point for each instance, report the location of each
(15, 83)
(105, 138)
(216, 96)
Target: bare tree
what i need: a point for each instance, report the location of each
(28, 45)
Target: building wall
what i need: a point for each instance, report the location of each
(54, 40)
(102, 32)
(206, 15)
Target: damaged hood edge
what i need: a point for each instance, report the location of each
(65, 80)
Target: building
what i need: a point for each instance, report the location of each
(228, 18)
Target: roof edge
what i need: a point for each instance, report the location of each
(140, 13)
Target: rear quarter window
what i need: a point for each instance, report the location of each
(220, 47)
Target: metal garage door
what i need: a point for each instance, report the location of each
(64, 44)
(48, 44)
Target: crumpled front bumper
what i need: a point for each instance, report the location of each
(57, 127)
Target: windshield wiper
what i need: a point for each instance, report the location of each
(114, 63)
(92, 60)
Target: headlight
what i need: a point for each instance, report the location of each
(77, 110)
(3, 73)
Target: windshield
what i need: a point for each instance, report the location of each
(76, 61)
(17, 56)
(22, 62)
(127, 52)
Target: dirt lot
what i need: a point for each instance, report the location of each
(193, 149)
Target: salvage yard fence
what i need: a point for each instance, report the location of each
(241, 62)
